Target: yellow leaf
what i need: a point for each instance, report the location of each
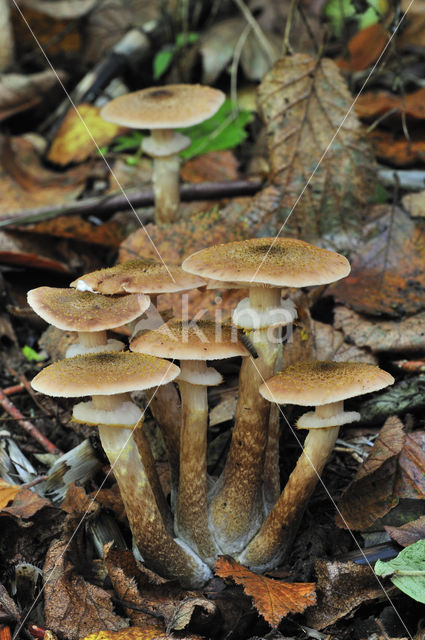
(7, 492)
(273, 599)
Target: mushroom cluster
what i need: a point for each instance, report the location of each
(243, 512)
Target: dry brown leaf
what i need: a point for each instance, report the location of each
(396, 149)
(215, 166)
(8, 608)
(371, 493)
(62, 9)
(364, 48)
(372, 104)
(341, 587)
(387, 275)
(25, 504)
(304, 102)
(135, 633)
(408, 533)
(54, 36)
(411, 465)
(7, 492)
(108, 234)
(382, 335)
(74, 608)
(273, 599)
(25, 183)
(82, 131)
(26, 251)
(18, 92)
(329, 344)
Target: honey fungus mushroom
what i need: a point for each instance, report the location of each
(193, 344)
(109, 378)
(324, 385)
(161, 110)
(87, 313)
(265, 266)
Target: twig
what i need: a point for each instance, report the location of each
(104, 205)
(27, 425)
(9, 391)
(286, 47)
(267, 47)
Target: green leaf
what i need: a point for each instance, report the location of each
(33, 356)
(128, 142)
(407, 570)
(225, 130)
(162, 61)
(184, 39)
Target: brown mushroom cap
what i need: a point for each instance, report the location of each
(103, 374)
(73, 310)
(281, 262)
(323, 382)
(139, 276)
(201, 340)
(174, 105)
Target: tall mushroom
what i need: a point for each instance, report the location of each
(193, 344)
(163, 109)
(324, 385)
(109, 378)
(153, 278)
(87, 313)
(265, 265)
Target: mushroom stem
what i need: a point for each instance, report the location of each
(236, 508)
(166, 178)
(159, 550)
(92, 338)
(191, 512)
(270, 544)
(165, 407)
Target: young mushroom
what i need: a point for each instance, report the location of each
(153, 278)
(162, 109)
(88, 313)
(193, 344)
(324, 385)
(264, 265)
(109, 378)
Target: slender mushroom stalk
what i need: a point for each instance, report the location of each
(324, 385)
(193, 345)
(108, 378)
(161, 110)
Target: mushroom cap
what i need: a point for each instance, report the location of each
(278, 262)
(73, 310)
(200, 340)
(323, 382)
(174, 105)
(138, 276)
(103, 374)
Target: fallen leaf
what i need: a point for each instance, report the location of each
(370, 495)
(407, 570)
(364, 48)
(135, 633)
(74, 608)
(414, 203)
(62, 9)
(408, 533)
(23, 250)
(82, 131)
(108, 234)
(18, 92)
(55, 35)
(7, 492)
(382, 336)
(26, 504)
(397, 150)
(411, 465)
(273, 599)
(8, 608)
(215, 166)
(372, 104)
(387, 275)
(341, 587)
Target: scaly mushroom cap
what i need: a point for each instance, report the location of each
(103, 374)
(281, 262)
(174, 105)
(73, 310)
(138, 276)
(200, 340)
(323, 382)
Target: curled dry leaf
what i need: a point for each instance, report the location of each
(408, 533)
(371, 493)
(18, 92)
(273, 599)
(26, 504)
(387, 274)
(382, 335)
(80, 134)
(341, 587)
